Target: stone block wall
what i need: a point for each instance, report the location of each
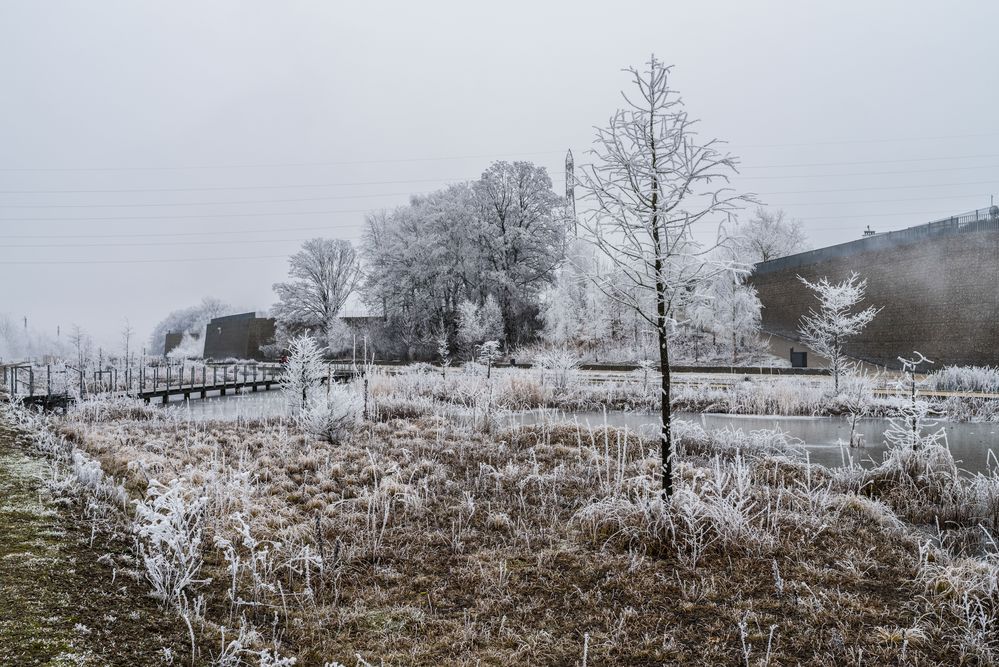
(939, 295)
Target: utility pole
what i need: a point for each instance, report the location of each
(570, 190)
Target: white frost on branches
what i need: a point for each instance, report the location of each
(728, 308)
(323, 275)
(169, 525)
(826, 329)
(768, 235)
(477, 324)
(332, 414)
(909, 429)
(654, 185)
(303, 372)
(501, 235)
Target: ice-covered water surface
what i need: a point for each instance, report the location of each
(969, 442)
(239, 407)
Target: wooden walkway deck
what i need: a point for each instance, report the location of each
(159, 384)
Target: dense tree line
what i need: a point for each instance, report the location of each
(497, 240)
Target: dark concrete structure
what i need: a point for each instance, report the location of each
(173, 341)
(238, 337)
(938, 285)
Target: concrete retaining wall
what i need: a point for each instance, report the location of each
(939, 292)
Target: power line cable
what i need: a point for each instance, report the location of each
(402, 194)
(196, 216)
(143, 261)
(881, 187)
(218, 188)
(165, 234)
(836, 142)
(833, 164)
(155, 243)
(284, 164)
(555, 180)
(351, 225)
(216, 203)
(459, 157)
(868, 173)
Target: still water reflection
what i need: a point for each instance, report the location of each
(969, 442)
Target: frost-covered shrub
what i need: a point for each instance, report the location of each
(168, 524)
(489, 352)
(559, 366)
(303, 372)
(330, 415)
(473, 368)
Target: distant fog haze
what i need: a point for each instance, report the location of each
(155, 153)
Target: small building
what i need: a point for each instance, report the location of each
(238, 337)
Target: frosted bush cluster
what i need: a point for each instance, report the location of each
(330, 415)
(558, 366)
(168, 524)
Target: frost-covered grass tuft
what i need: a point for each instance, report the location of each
(169, 526)
(984, 379)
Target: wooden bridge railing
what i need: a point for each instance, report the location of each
(65, 380)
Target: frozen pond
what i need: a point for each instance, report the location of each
(969, 442)
(251, 405)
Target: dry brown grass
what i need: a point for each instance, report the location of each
(421, 541)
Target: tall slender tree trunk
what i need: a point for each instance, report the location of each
(665, 407)
(837, 354)
(665, 433)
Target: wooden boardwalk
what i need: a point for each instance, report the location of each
(153, 383)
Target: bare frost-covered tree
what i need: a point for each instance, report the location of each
(654, 184)
(826, 330)
(769, 235)
(323, 275)
(730, 308)
(127, 332)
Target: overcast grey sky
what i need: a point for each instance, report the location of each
(844, 114)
